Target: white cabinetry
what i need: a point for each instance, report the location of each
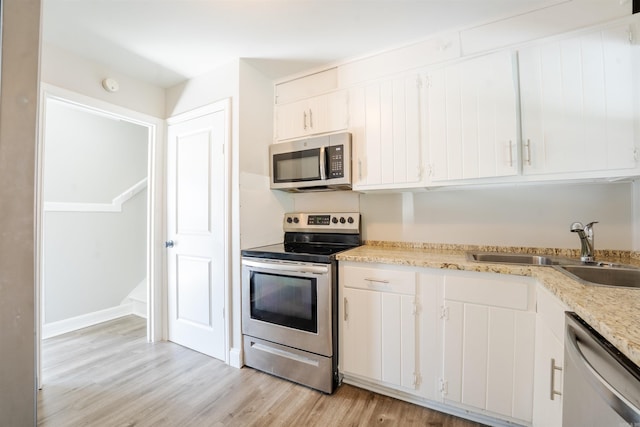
(320, 114)
(386, 126)
(577, 105)
(549, 360)
(378, 324)
(471, 119)
(488, 354)
(310, 105)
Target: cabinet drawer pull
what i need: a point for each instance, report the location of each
(554, 368)
(527, 145)
(384, 282)
(311, 119)
(304, 120)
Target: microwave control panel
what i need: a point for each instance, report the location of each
(336, 161)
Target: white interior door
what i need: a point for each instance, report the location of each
(196, 225)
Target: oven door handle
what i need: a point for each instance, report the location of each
(614, 398)
(300, 268)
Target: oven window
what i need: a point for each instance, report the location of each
(297, 166)
(285, 300)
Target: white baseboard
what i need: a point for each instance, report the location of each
(235, 358)
(74, 323)
(139, 308)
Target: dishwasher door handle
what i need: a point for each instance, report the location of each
(614, 398)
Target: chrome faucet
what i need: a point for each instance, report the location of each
(585, 232)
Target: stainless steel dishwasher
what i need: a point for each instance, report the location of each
(601, 385)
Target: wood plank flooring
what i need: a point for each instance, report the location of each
(108, 375)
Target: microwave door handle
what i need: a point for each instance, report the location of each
(323, 163)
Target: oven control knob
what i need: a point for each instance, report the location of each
(342, 220)
(296, 220)
(350, 220)
(289, 220)
(334, 220)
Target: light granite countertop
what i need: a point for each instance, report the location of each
(613, 312)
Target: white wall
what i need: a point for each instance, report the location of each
(523, 215)
(68, 71)
(91, 260)
(529, 215)
(18, 114)
(261, 210)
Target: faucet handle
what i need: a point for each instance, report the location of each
(590, 225)
(577, 226)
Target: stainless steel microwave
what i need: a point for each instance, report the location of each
(314, 164)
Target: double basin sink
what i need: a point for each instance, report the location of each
(598, 273)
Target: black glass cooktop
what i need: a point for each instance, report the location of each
(306, 247)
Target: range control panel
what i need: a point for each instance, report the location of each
(334, 222)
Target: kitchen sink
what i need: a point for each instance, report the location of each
(511, 258)
(605, 274)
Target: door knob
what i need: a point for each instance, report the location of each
(168, 244)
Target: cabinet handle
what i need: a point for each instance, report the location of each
(510, 154)
(359, 170)
(554, 368)
(528, 147)
(346, 309)
(304, 120)
(377, 281)
(311, 119)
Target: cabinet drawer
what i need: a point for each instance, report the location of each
(379, 279)
(491, 290)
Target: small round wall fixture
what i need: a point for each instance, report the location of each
(110, 85)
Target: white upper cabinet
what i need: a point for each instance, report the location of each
(577, 105)
(472, 118)
(319, 114)
(310, 105)
(386, 126)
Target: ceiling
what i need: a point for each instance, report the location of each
(165, 42)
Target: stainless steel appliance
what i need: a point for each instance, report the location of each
(314, 164)
(289, 299)
(601, 385)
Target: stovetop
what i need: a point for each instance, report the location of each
(313, 238)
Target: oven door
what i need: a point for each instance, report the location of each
(288, 303)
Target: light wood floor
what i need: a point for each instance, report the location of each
(108, 375)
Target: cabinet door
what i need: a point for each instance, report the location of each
(488, 358)
(361, 340)
(320, 114)
(328, 112)
(549, 360)
(399, 340)
(379, 325)
(387, 129)
(577, 104)
(471, 119)
(292, 120)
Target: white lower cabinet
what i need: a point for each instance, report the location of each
(378, 324)
(549, 361)
(462, 341)
(488, 343)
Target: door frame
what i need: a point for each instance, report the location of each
(156, 298)
(224, 105)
